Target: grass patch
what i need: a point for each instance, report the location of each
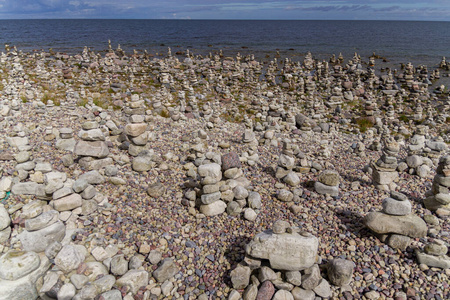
(100, 102)
(82, 102)
(364, 124)
(403, 118)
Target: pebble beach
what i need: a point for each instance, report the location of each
(141, 229)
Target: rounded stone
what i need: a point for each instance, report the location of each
(16, 264)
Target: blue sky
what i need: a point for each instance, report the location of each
(432, 10)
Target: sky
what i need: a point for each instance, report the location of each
(432, 10)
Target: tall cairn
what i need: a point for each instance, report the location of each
(385, 169)
(438, 199)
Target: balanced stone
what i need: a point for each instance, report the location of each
(329, 177)
(410, 225)
(395, 207)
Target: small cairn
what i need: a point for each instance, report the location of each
(384, 171)
(222, 187)
(286, 163)
(282, 264)
(66, 141)
(395, 223)
(92, 146)
(137, 135)
(328, 183)
(439, 197)
(434, 255)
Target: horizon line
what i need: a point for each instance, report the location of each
(163, 19)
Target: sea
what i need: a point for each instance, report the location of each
(418, 42)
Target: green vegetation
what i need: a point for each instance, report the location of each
(364, 124)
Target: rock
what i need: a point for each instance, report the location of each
(290, 252)
(156, 190)
(166, 270)
(266, 273)
(250, 214)
(16, 264)
(329, 177)
(233, 208)
(43, 220)
(234, 295)
(266, 291)
(112, 295)
(154, 257)
(301, 294)
(384, 177)
(230, 160)
(24, 188)
(79, 280)
(436, 248)
(395, 207)
(92, 177)
(398, 241)
(68, 203)
(283, 295)
(442, 262)
(91, 135)
(211, 171)
(280, 226)
(326, 189)
(292, 179)
(285, 195)
(254, 200)
(97, 149)
(39, 240)
(414, 161)
(312, 278)
(213, 209)
(323, 289)
(286, 161)
(69, 258)
(135, 279)
(143, 163)
(409, 225)
(240, 277)
(210, 198)
(340, 271)
(136, 129)
(5, 234)
(250, 292)
(119, 265)
(66, 292)
(5, 220)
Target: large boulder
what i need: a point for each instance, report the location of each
(410, 225)
(289, 252)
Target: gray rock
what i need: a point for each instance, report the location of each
(283, 295)
(301, 294)
(291, 179)
(68, 203)
(69, 258)
(66, 144)
(285, 195)
(112, 295)
(88, 207)
(210, 198)
(240, 192)
(143, 163)
(213, 209)
(410, 225)
(266, 274)
(290, 252)
(294, 277)
(79, 280)
(414, 161)
(88, 292)
(16, 264)
(286, 161)
(79, 185)
(211, 171)
(329, 177)
(91, 135)
(53, 249)
(24, 188)
(43, 220)
(323, 289)
(312, 278)
(398, 241)
(5, 234)
(442, 262)
(233, 208)
(65, 191)
(280, 226)
(250, 214)
(97, 149)
(436, 248)
(395, 207)
(254, 200)
(66, 292)
(89, 192)
(240, 276)
(154, 257)
(39, 240)
(136, 261)
(119, 265)
(92, 177)
(5, 220)
(166, 270)
(340, 271)
(104, 283)
(326, 189)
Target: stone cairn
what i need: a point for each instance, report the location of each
(328, 183)
(286, 163)
(66, 141)
(395, 224)
(222, 187)
(434, 255)
(384, 171)
(92, 147)
(416, 162)
(438, 198)
(250, 156)
(282, 263)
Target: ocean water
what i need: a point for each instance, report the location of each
(397, 41)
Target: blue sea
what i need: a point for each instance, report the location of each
(397, 41)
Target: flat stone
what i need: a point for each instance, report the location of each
(156, 190)
(326, 189)
(213, 209)
(112, 295)
(301, 294)
(166, 270)
(211, 171)
(91, 135)
(66, 144)
(24, 188)
(69, 258)
(323, 289)
(442, 262)
(92, 177)
(5, 220)
(104, 283)
(68, 203)
(283, 295)
(289, 252)
(410, 225)
(39, 240)
(43, 220)
(97, 149)
(329, 177)
(384, 177)
(16, 264)
(394, 207)
(135, 129)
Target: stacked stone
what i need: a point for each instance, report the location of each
(328, 183)
(136, 106)
(384, 171)
(434, 255)
(395, 224)
(92, 147)
(282, 264)
(286, 163)
(439, 197)
(222, 187)
(65, 141)
(251, 155)
(137, 135)
(434, 149)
